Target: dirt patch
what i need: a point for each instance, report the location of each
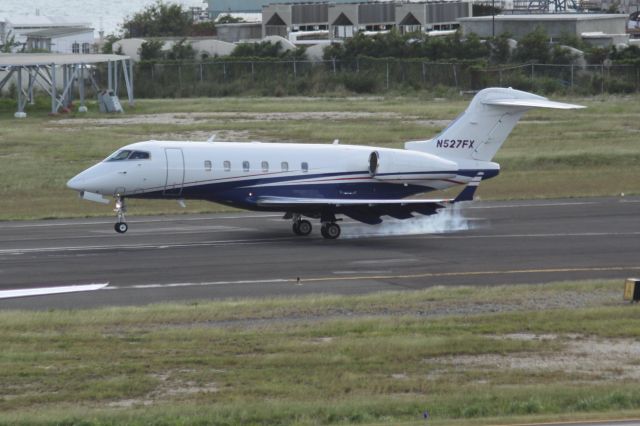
(597, 359)
(194, 117)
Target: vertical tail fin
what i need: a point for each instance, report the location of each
(479, 132)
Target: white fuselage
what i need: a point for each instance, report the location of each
(236, 172)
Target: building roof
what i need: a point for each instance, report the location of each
(58, 32)
(37, 21)
(30, 59)
(546, 17)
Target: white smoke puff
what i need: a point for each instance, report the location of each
(450, 219)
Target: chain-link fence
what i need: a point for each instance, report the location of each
(279, 78)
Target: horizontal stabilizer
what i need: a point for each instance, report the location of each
(531, 103)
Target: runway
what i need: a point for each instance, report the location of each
(256, 255)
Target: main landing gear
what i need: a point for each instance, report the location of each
(120, 226)
(329, 230)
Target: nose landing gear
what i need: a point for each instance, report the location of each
(121, 226)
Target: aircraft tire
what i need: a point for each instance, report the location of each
(296, 228)
(121, 227)
(330, 231)
(304, 227)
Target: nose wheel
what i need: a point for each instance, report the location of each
(121, 226)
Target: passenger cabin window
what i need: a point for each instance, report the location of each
(207, 165)
(126, 154)
(227, 166)
(265, 166)
(284, 166)
(305, 167)
(245, 166)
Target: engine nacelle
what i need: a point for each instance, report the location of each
(409, 167)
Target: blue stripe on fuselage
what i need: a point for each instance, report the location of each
(243, 193)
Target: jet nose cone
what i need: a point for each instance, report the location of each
(76, 183)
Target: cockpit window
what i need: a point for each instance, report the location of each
(119, 155)
(126, 154)
(139, 155)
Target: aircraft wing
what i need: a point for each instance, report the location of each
(370, 210)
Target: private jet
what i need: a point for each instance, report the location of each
(317, 181)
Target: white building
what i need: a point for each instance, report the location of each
(20, 25)
(61, 40)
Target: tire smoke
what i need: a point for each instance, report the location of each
(450, 219)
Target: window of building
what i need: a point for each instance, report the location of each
(227, 166)
(86, 48)
(265, 166)
(284, 166)
(75, 47)
(304, 166)
(207, 165)
(245, 166)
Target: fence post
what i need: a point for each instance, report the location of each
(252, 71)
(334, 64)
(572, 77)
(455, 75)
(224, 71)
(424, 74)
(532, 72)
(602, 78)
(357, 65)
(201, 73)
(387, 75)
(500, 76)
(295, 71)
(637, 78)
(180, 78)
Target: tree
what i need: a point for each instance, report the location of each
(228, 19)
(181, 50)
(534, 47)
(151, 50)
(500, 48)
(107, 47)
(9, 44)
(159, 20)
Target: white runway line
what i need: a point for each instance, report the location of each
(42, 291)
(47, 224)
(140, 246)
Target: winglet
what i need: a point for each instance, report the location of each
(469, 190)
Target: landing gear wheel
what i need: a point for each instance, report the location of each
(301, 227)
(304, 227)
(121, 208)
(330, 231)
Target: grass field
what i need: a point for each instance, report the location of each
(588, 152)
(468, 355)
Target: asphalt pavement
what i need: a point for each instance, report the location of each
(187, 257)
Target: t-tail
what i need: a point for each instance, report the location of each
(478, 133)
